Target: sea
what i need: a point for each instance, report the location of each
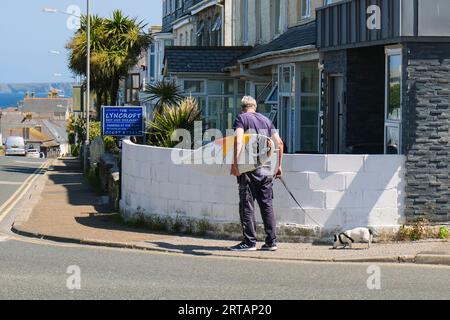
(12, 99)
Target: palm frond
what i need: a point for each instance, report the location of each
(166, 122)
(163, 93)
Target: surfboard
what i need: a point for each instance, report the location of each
(216, 157)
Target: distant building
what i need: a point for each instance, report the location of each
(53, 107)
(46, 135)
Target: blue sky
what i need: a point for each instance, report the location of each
(27, 34)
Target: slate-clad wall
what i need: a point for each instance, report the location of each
(426, 131)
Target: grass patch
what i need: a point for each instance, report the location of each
(160, 224)
(422, 230)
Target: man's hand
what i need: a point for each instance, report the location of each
(279, 174)
(235, 170)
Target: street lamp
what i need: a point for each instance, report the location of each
(88, 74)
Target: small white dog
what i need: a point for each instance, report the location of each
(348, 238)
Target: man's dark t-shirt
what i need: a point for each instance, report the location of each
(253, 122)
(256, 123)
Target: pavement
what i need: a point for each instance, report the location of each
(64, 208)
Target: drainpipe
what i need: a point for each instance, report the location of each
(222, 8)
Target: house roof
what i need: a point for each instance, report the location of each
(201, 59)
(45, 105)
(295, 37)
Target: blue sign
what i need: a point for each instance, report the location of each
(123, 121)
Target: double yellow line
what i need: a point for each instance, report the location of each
(23, 189)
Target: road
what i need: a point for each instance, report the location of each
(36, 269)
(13, 172)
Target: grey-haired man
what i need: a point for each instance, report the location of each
(257, 184)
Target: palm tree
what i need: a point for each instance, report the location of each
(116, 46)
(163, 93)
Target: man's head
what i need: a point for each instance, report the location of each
(249, 104)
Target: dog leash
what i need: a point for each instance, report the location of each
(293, 197)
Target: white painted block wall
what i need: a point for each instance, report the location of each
(338, 191)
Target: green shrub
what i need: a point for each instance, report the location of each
(171, 118)
(75, 150)
(443, 233)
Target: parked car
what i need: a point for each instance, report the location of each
(15, 146)
(33, 153)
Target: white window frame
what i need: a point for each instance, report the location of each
(292, 115)
(235, 96)
(245, 22)
(390, 123)
(299, 96)
(308, 9)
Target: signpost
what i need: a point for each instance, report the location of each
(123, 121)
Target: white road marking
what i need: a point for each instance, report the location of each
(11, 183)
(20, 192)
(30, 162)
(3, 238)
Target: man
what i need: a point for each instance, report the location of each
(257, 184)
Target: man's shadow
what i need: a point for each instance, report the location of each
(189, 249)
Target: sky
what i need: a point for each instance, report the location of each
(27, 34)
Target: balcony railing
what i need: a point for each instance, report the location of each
(178, 13)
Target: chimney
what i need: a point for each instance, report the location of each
(26, 133)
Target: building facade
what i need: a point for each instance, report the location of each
(356, 77)
(276, 43)
(386, 90)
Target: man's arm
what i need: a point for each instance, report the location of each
(276, 137)
(238, 144)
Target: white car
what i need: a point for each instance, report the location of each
(33, 153)
(15, 146)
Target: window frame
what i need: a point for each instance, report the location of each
(130, 89)
(393, 123)
(308, 9)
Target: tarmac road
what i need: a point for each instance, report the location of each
(13, 172)
(37, 270)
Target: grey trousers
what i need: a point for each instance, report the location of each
(256, 186)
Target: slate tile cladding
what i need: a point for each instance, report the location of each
(202, 59)
(426, 134)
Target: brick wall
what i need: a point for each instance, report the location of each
(426, 135)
